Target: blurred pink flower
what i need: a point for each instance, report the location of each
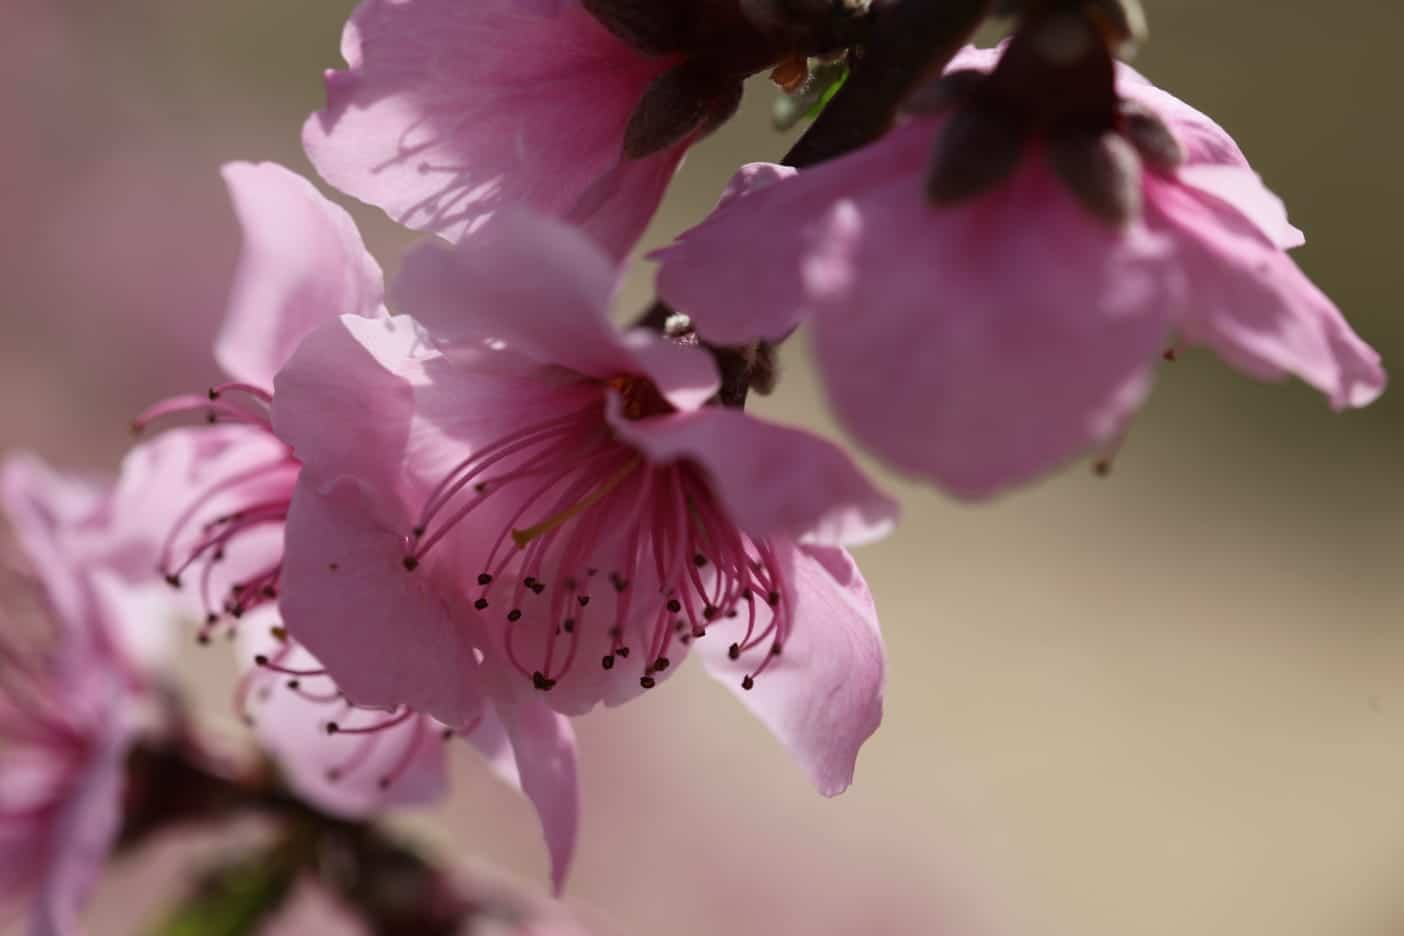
(540, 507)
(66, 691)
(980, 343)
(450, 111)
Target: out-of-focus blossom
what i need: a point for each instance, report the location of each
(539, 507)
(985, 313)
(67, 690)
(449, 111)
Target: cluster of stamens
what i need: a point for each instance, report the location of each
(366, 729)
(198, 542)
(574, 492)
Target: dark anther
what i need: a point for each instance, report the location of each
(734, 651)
(237, 588)
(571, 584)
(685, 639)
(568, 625)
(748, 684)
(270, 592)
(480, 604)
(775, 649)
(616, 632)
(537, 587)
(446, 734)
(529, 581)
(410, 563)
(211, 418)
(294, 684)
(480, 487)
(660, 664)
(732, 612)
(260, 660)
(773, 598)
(211, 618)
(172, 580)
(514, 615)
(699, 560)
(648, 682)
(583, 599)
(678, 626)
(332, 727)
(674, 605)
(618, 581)
(709, 613)
(540, 681)
(699, 632)
(623, 652)
(383, 783)
(417, 532)
(203, 639)
(218, 555)
(333, 566)
(213, 394)
(608, 661)
(484, 578)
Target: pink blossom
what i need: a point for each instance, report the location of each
(65, 691)
(982, 342)
(450, 110)
(523, 502)
(216, 499)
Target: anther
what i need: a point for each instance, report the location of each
(384, 783)
(583, 599)
(410, 563)
(773, 598)
(332, 728)
(660, 664)
(608, 661)
(648, 682)
(480, 604)
(294, 684)
(623, 652)
(172, 579)
(748, 684)
(699, 560)
(484, 578)
(618, 581)
(734, 651)
(541, 681)
(446, 734)
(568, 625)
(260, 660)
(514, 615)
(709, 613)
(674, 605)
(775, 649)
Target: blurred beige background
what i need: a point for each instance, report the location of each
(1168, 702)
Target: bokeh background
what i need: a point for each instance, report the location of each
(1167, 702)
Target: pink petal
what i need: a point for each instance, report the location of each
(984, 344)
(387, 636)
(735, 273)
(822, 697)
(532, 748)
(303, 263)
(774, 481)
(344, 401)
(451, 111)
(1243, 189)
(540, 288)
(1253, 305)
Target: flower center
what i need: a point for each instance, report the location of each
(586, 545)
